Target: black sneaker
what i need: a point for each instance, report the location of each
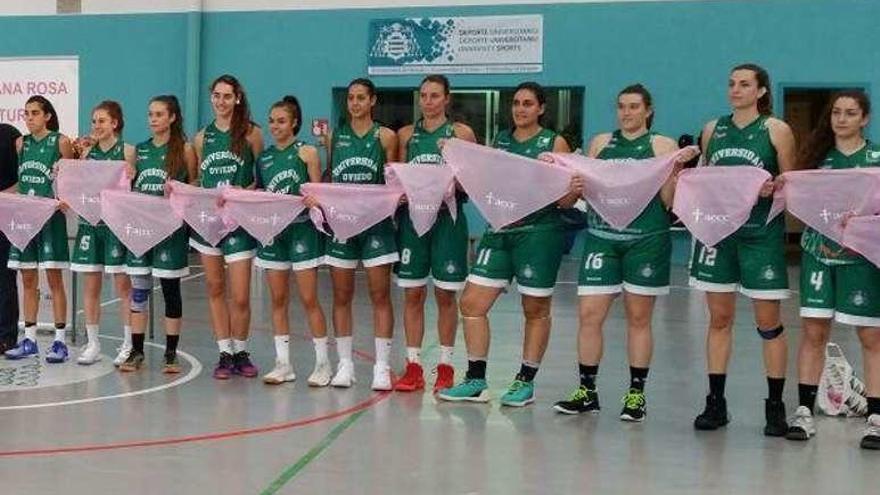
(133, 363)
(171, 365)
(580, 401)
(633, 406)
(774, 413)
(871, 438)
(714, 416)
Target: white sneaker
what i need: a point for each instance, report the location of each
(381, 377)
(89, 354)
(283, 372)
(871, 437)
(344, 375)
(321, 375)
(801, 426)
(122, 357)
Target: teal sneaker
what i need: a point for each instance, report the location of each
(633, 406)
(519, 394)
(470, 390)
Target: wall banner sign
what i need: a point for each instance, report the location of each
(56, 78)
(456, 45)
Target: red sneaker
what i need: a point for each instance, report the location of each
(445, 377)
(413, 379)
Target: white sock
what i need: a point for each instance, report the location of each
(239, 345)
(383, 350)
(126, 336)
(92, 335)
(446, 354)
(343, 348)
(282, 349)
(412, 354)
(30, 332)
(225, 345)
(60, 334)
(320, 349)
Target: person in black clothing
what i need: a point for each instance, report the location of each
(8, 288)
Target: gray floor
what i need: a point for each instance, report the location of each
(69, 430)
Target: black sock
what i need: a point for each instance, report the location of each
(60, 326)
(873, 405)
(774, 388)
(171, 343)
(526, 372)
(637, 378)
(476, 369)
(137, 342)
(588, 375)
(716, 384)
(807, 395)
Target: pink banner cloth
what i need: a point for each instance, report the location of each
(140, 221)
(505, 187)
(822, 199)
(713, 202)
(427, 187)
(80, 182)
(352, 208)
(262, 214)
(200, 209)
(23, 216)
(620, 190)
(862, 235)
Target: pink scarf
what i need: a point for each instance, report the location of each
(262, 214)
(140, 221)
(200, 209)
(862, 235)
(352, 208)
(80, 182)
(426, 188)
(713, 202)
(22, 216)
(503, 186)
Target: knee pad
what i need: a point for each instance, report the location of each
(173, 302)
(139, 299)
(772, 333)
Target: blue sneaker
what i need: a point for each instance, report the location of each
(25, 348)
(470, 390)
(519, 394)
(57, 353)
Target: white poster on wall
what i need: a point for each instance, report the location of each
(56, 78)
(456, 45)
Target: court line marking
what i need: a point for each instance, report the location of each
(294, 469)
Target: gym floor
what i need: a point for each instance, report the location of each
(74, 429)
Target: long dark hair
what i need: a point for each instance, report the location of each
(765, 103)
(291, 104)
(638, 89)
(241, 114)
(175, 160)
(114, 110)
(822, 139)
(46, 107)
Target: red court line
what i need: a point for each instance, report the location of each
(203, 437)
(208, 436)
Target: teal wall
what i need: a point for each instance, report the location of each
(128, 58)
(682, 51)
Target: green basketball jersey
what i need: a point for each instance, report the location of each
(36, 162)
(220, 166)
(823, 248)
(653, 220)
(282, 170)
(546, 218)
(150, 174)
(422, 146)
(730, 145)
(358, 159)
(116, 152)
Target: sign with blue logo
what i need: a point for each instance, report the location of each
(456, 45)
